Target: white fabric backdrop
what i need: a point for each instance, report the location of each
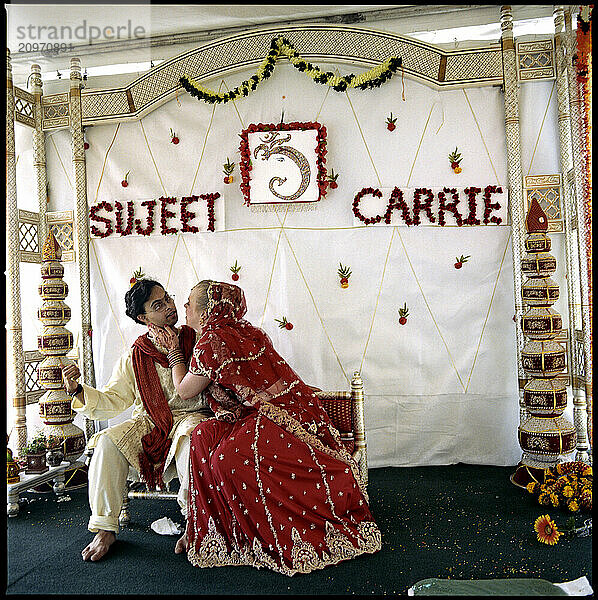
(439, 390)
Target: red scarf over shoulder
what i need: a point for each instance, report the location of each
(156, 443)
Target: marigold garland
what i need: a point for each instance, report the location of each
(568, 485)
(282, 47)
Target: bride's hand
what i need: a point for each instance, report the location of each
(166, 337)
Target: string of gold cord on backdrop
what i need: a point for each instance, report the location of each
(282, 47)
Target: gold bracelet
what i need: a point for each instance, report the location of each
(175, 357)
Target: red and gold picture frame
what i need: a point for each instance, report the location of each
(283, 164)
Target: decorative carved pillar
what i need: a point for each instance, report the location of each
(515, 177)
(54, 343)
(81, 219)
(569, 220)
(15, 358)
(583, 226)
(39, 151)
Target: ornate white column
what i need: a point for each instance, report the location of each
(515, 177)
(569, 219)
(15, 356)
(39, 152)
(583, 220)
(82, 225)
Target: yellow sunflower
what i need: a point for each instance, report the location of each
(547, 530)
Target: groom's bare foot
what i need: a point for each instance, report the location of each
(99, 545)
(181, 545)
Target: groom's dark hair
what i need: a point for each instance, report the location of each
(137, 296)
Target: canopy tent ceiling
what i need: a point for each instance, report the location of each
(164, 31)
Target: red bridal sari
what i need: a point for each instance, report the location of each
(271, 485)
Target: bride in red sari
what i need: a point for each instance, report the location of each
(271, 485)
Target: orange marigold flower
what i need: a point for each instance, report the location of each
(573, 506)
(544, 498)
(532, 487)
(547, 530)
(567, 491)
(554, 499)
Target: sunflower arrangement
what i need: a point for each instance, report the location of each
(568, 485)
(282, 47)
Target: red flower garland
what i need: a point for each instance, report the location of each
(471, 193)
(187, 216)
(357, 200)
(425, 206)
(119, 219)
(210, 198)
(93, 217)
(150, 218)
(166, 214)
(245, 163)
(396, 202)
(489, 206)
(450, 207)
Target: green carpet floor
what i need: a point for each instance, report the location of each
(457, 522)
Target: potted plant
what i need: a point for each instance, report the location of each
(35, 453)
(55, 453)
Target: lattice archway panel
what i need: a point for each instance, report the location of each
(433, 66)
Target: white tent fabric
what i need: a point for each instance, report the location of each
(439, 390)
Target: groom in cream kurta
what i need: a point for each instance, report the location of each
(117, 448)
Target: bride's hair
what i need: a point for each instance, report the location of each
(202, 296)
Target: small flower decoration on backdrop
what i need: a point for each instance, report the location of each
(391, 123)
(173, 137)
(137, 275)
(461, 260)
(547, 530)
(235, 269)
(344, 273)
(455, 160)
(403, 314)
(332, 177)
(229, 167)
(284, 324)
(125, 181)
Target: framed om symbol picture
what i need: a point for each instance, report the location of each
(283, 164)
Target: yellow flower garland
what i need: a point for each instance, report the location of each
(282, 47)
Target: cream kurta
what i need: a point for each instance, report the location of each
(120, 393)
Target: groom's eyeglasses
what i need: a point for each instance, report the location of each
(162, 304)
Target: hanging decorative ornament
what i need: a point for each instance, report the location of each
(284, 324)
(391, 123)
(455, 160)
(332, 177)
(344, 273)
(235, 269)
(173, 137)
(229, 167)
(137, 276)
(125, 181)
(403, 314)
(460, 260)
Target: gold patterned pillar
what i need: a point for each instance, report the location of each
(583, 226)
(569, 220)
(360, 443)
(39, 151)
(546, 437)
(514, 173)
(54, 343)
(82, 225)
(15, 356)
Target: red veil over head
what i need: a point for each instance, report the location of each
(248, 372)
